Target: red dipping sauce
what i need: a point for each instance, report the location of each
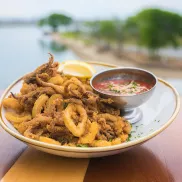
(123, 87)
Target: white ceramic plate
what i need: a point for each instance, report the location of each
(158, 113)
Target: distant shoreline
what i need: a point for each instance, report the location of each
(90, 53)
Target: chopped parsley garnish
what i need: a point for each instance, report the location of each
(110, 140)
(135, 84)
(63, 140)
(65, 105)
(110, 86)
(82, 145)
(158, 121)
(129, 138)
(116, 91)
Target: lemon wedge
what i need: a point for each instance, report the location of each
(77, 69)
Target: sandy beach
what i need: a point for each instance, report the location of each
(90, 53)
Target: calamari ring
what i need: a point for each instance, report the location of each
(57, 88)
(12, 103)
(68, 121)
(51, 103)
(17, 118)
(39, 104)
(90, 136)
(48, 140)
(56, 80)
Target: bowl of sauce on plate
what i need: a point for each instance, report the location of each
(128, 87)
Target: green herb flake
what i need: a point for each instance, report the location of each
(116, 91)
(135, 84)
(129, 137)
(65, 105)
(110, 86)
(158, 121)
(82, 145)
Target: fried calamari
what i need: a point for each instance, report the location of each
(64, 110)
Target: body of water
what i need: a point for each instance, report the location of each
(22, 49)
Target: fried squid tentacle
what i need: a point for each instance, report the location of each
(32, 133)
(74, 87)
(49, 68)
(57, 88)
(117, 123)
(57, 80)
(26, 88)
(39, 120)
(12, 103)
(54, 103)
(28, 100)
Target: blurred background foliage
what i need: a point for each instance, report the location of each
(150, 28)
(55, 20)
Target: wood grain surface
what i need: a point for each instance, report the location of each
(36, 166)
(158, 160)
(10, 150)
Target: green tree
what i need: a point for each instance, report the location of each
(55, 20)
(157, 28)
(131, 29)
(93, 29)
(107, 30)
(42, 22)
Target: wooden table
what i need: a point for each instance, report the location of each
(158, 160)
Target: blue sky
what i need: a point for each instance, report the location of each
(82, 9)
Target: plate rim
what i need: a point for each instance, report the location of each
(90, 149)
